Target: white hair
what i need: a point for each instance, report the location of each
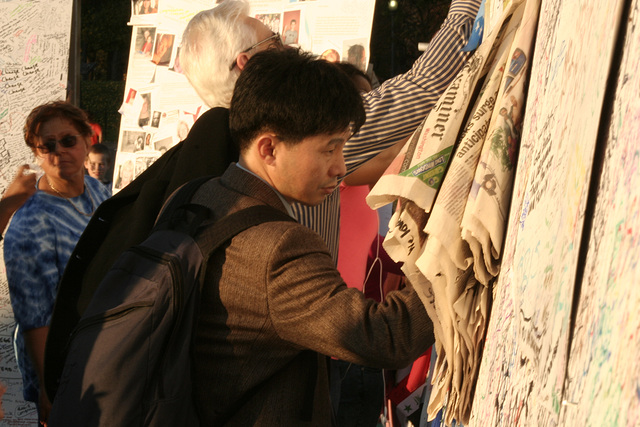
(211, 42)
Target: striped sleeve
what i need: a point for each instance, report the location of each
(396, 108)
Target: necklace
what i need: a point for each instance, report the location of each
(93, 204)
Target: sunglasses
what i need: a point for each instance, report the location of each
(49, 145)
(275, 37)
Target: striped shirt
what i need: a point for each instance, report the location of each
(395, 109)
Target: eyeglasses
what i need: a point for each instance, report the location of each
(277, 45)
(49, 145)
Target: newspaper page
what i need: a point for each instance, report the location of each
(446, 254)
(160, 106)
(446, 258)
(430, 151)
(469, 293)
(486, 213)
(494, 10)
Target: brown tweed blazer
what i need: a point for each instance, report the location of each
(273, 306)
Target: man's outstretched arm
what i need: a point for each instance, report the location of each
(396, 108)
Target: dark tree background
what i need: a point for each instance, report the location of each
(104, 50)
(105, 39)
(395, 34)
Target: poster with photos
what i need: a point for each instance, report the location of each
(159, 106)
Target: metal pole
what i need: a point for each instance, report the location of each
(393, 6)
(73, 77)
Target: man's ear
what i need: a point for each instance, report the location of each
(242, 59)
(266, 146)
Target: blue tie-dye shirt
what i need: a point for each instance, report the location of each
(37, 246)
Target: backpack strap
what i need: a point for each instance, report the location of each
(178, 213)
(224, 229)
(210, 240)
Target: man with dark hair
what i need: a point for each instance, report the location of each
(273, 304)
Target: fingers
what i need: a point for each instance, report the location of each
(21, 188)
(27, 179)
(23, 169)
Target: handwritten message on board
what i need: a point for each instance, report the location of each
(34, 52)
(527, 347)
(603, 376)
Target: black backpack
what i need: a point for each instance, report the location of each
(129, 359)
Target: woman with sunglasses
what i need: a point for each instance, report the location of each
(44, 231)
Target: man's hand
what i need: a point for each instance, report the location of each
(21, 188)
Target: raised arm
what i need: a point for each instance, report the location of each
(396, 108)
(21, 188)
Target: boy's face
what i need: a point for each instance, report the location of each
(308, 172)
(97, 164)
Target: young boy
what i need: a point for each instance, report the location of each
(98, 163)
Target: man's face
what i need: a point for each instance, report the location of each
(96, 165)
(308, 172)
(164, 45)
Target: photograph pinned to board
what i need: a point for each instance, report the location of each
(331, 55)
(156, 116)
(148, 143)
(291, 28)
(143, 41)
(354, 52)
(271, 20)
(127, 106)
(124, 170)
(175, 63)
(183, 125)
(143, 46)
(143, 162)
(163, 50)
(143, 8)
(131, 141)
(163, 145)
(144, 114)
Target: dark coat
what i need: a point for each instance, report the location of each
(126, 219)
